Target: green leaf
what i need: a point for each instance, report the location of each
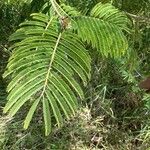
(30, 113)
(47, 116)
(106, 37)
(44, 66)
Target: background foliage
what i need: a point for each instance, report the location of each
(115, 114)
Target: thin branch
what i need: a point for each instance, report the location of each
(55, 7)
(139, 18)
(50, 65)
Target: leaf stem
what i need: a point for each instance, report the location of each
(50, 64)
(55, 7)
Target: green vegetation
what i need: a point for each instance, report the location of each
(70, 72)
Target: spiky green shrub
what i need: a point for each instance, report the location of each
(49, 59)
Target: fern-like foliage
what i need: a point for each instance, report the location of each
(107, 38)
(43, 67)
(49, 55)
(83, 6)
(104, 30)
(71, 11)
(109, 13)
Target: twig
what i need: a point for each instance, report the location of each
(139, 18)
